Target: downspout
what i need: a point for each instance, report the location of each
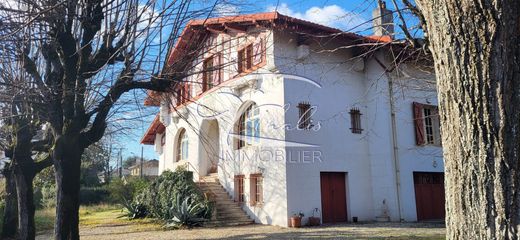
(395, 148)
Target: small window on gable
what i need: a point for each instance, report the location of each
(305, 113)
(239, 188)
(355, 121)
(256, 189)
(427, 124)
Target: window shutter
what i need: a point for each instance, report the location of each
(419, 123)
(216, 69)
(237, 191)
(240, 61)
(252, 192)
(258, 51)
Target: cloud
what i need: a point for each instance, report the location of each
(226, 9)
(331, 15)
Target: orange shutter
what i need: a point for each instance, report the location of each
(419, 123)
(258, 51)
(252, 191)
(240, 61)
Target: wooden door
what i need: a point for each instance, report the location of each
(429, 195)
(333, 197)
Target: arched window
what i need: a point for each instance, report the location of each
(182, 146)
(249, 126)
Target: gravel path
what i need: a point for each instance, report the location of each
(344, 231)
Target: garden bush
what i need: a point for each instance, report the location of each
(122, 190)
(165, 195)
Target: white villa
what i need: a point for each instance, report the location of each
(295, 117)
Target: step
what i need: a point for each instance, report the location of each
(218, 223)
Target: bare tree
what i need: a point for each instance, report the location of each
(80, 57)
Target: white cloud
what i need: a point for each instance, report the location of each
(331, 15)
(226, 9)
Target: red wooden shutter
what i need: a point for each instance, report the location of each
(240, 60)
(216, 69)
(258, 51)
(252, 191)
(419, 123)
(236, 186)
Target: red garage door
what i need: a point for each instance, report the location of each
(429, 195)
(333, 197)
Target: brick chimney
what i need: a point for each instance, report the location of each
(383, 20)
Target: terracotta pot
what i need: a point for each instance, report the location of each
(296, 222)
(314, 221)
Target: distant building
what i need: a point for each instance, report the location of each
(150, 168)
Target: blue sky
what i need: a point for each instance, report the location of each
(348, 15)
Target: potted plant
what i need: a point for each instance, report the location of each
(314, 220)
(296, 220)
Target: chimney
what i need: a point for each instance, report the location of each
(383, 20)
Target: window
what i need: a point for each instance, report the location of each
(251, 55)
(304, 120)
(355, 121)
(182, 146)
(256, 191)
(249, 126)
(183, 93)
(163, 139)
(427, 124)
(211, 72)
(239, 188)
(207, 75)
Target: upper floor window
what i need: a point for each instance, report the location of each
(355, 121)
(251, 55)
(427, 124)
(183, 93)
(249, 126)
(305, 113)
(211, 72)
(182, 145)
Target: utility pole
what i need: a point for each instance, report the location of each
(120, 162)
(142, 161)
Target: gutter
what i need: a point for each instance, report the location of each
(395, 148)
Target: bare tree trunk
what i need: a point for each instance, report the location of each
(10, 218)
(67, 162)
(23, 177)
(475, 45)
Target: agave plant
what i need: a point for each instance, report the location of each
(134, 210)
(188, 212)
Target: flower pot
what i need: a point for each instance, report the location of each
(314, 221)
(296, 222)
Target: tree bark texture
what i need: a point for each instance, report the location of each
(475, 46)
(67, 163)
(10, 218)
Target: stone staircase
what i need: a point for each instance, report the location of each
(227, 212)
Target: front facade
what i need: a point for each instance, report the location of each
(296, 123)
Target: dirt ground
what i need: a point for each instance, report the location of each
(134, 230)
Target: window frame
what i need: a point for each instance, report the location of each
(427, 124)
(238, 181)
(304, 115)
(355, 121)
(256, 189)
(248, 126)
(182, 146)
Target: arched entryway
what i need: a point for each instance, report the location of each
(209, 147)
